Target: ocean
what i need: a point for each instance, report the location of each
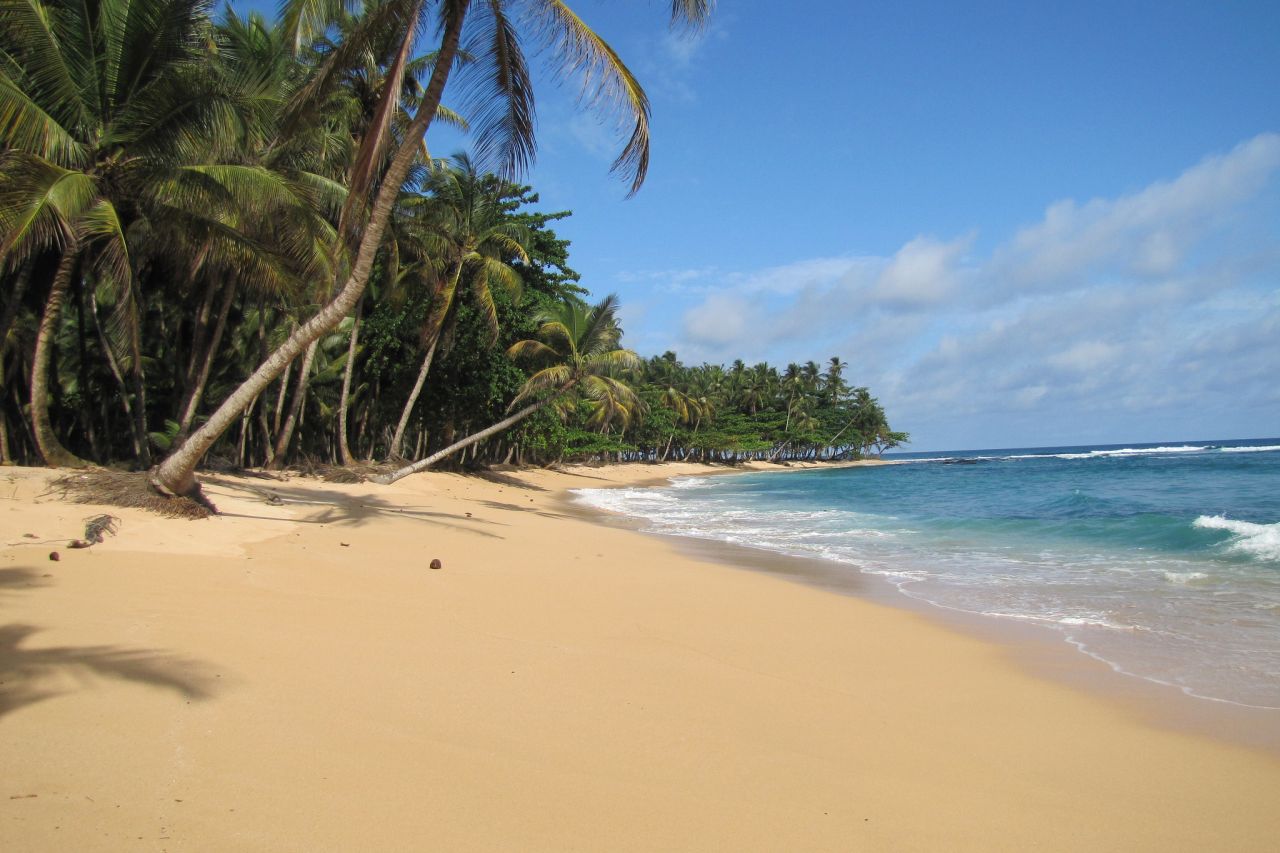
(1163, 560)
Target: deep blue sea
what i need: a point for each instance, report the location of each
(1161, 559)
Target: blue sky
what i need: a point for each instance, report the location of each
(1019, 225)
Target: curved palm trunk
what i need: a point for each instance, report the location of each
(299, 397)
(176, 475)
(435, 322)
(51, 450)
(398, 439)
(423, 464)
(344, 449)
(196, 392)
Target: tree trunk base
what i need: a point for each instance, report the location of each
(190, 490)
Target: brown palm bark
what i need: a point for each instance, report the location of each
(198, 378)
(176, 475)
(299, 398)
(51, 449)
(344, 449)
(440, 307)
(462, 444)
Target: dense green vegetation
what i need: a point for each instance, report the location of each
(226, 241)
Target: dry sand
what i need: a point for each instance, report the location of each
(295, 677)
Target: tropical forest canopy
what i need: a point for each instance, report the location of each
(226, 241)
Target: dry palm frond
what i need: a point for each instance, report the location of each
(128, 489)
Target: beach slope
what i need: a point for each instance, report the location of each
(292, 675)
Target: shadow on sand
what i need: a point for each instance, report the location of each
(340, 510)
(30, 675)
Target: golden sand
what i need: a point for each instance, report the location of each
(292, 676)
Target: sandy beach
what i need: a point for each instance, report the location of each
(291, 675)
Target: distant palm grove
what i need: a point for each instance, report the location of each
(225, 242)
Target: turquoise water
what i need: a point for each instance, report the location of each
(1162, 560)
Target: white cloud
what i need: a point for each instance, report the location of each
(1098, 312)
(1146, 233)
(923, 272)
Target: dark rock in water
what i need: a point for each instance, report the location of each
(436, 564)
(959, 461)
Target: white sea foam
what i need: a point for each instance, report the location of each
(1184, 578)
(1132, 451)
(688, 482)
(1171, 621)
(1091, 621)
(1261, 541)
(1261, 448)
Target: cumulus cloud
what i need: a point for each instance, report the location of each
(1166, 299)
(1147, 233)
(923, 272)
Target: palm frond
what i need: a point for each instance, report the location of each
(531, 349)
(26, 126)
(498, 93)
(607, 83)
(39, 203)
(691, 13)
(100, 228)
(51, 47)
(551, 378)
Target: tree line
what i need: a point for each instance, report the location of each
(223, 240)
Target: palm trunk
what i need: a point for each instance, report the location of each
(51, 450)
(398, 438)
(344, 449)
(176, 475)
(435, 322)
(299, 397)
(423, 464)
(281, 396)
(195, 393)
(23, 280)
(139, 390)
(113, 365)
(20, 285)
(85, 413)
(198, 333)
(245, 420)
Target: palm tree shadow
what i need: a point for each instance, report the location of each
(29, 675)
(342, 510)
(505, 480)
(25, 673)
(21, 579)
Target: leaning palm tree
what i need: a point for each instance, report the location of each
(504, 104)
(579, 347)
(469, 236)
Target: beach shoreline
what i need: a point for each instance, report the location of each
(1039, 650)
(291, 675)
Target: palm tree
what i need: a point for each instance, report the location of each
(95, 100)
(506, 109)
(834, 388)
(469, 236)
(579, 345)
(112, 124)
